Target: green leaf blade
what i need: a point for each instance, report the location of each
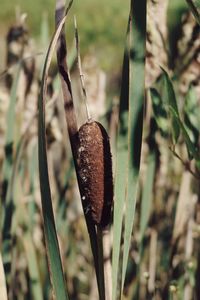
(190, 146)
(170, 99)
(53, 253)
(121, 178)
(135, 128)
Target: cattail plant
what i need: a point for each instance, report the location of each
(92, 159)
(95, 170)
(91, 149)
(93, 164)
(156, 211)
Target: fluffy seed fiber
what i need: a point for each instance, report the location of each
(95, 170)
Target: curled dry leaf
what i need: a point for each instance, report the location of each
(95, 170)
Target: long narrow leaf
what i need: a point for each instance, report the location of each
(136, 100)
(121, 171)
(35, 283)
(53, 253)
(191, 148)
(170, 98)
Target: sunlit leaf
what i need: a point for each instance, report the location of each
(53, 253)
(170, 98)
(190, 146)
(135, 124)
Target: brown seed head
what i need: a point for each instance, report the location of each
(95, 171)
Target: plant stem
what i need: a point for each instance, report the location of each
(186, 164)
(100, 263)
(107, 264)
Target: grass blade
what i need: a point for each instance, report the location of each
(170, 99)
(136, 100)
(191, 148)
(147, 194)
(121, 170)
(53, 253)
(36, 289)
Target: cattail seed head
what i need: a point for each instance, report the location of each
(95, 171)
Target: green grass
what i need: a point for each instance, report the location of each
(96, 32)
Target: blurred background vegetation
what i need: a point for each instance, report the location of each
(164, 261)
(102, 25)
